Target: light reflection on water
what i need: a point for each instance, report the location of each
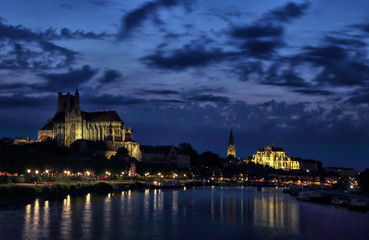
(219, 212)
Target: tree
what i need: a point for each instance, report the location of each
(187, 149)
(210, 160)
(122, 154)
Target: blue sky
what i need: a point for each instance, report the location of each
(293, 71)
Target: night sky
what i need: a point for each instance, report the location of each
(190, 71)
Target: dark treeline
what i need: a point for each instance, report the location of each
(48, 155)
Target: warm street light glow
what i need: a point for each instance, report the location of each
(36, 171)
(29, 170)
(46, 171)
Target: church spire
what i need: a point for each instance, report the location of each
(231, 148)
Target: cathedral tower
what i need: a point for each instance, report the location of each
(231, 148)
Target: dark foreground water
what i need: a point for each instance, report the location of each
(201, 213)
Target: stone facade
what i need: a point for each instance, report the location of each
(167, 155)
(275, 158)
(70, 124)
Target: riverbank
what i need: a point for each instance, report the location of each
(19, 193)
(13, 193)
(350, 200)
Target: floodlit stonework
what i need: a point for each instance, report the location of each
(275, 158)
(70, 124)
(231, 147)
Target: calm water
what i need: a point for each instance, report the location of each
(201, 213)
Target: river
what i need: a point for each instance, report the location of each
(195, 213)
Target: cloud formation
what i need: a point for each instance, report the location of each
(186, 57)
(23, 48)
(138, 16)
(64, 81)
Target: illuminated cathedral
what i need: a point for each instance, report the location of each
(275, 158)
(70, 124)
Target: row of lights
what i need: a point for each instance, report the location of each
(88, 173)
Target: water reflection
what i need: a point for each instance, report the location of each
(66, 218)
(87, 217)
(159, 214)
(271, 211)
(27, 220)
(45, 228)
(107, 214)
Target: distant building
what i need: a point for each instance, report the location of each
(247, 159)
(341, 172)
(167, 155)
(70, 124)
(275, 158)
(231, 148)
(310, 167)
(21, 141)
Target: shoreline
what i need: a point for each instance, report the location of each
(58, 190)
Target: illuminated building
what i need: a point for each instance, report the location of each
(70, 124)
(275, 158)
(231, 148)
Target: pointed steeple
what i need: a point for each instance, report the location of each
(231, 148)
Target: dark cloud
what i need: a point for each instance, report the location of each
(257, 31)
(67, 55)
(168, 101)
(26, 49)
(364, 27)
(277, 76)
(207, 89)
(110, 76)
(313, 92)
(66, 81)
(325, 55)
(349, 42)
(160, 92)
(207, 98)
(20, 32)
(38, 55)
(66, 33)
(262, 48)
(340, 66)
(188, 56)
(106, 101)
(360, 96)
(136, 17)
(248, 70)
(288, 12)
(16, 32)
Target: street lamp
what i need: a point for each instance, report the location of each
(29, 170)
(36, 171)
